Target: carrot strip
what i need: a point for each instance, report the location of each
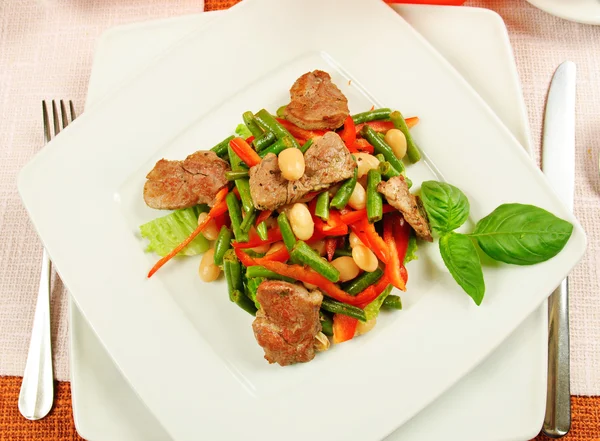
(215, 211)
(245, 152)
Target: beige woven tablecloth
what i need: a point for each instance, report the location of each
(46, 51)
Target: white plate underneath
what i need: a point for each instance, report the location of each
(502, 399)
(582, 11)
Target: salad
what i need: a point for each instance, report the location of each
(309, 215)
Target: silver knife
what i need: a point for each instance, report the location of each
(558, 164)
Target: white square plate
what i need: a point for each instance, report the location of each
(506, 392)
(187, 353)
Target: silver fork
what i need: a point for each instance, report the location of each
(37, 390)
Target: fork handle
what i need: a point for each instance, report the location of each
(37, 390)
(557, 421)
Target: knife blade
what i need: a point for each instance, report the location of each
(558, 164)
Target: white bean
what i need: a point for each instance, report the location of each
(319, 247)
(347, 268)
(397, 141)
(261, 249)
(365, 162)
(275, 247)
(358, 198)
(207, 270)
(301, 221)
(291, 164)
(365, 258)
(210, 231)
(354, 240)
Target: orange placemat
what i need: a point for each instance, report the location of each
(59, 426)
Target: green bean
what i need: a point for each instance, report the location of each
(412, 150)
(281, 112)
(371, 115)
(244, 302)
(234, 175)
(387, 170)
(289, 239)
(341, 252)
(380, 146)
(342, 196)
(221, 148)
(336, 307)
(306, 255)
(242, 184)
(392, 302)
(261, 229)
(380, 157)
(374, 198)
(322, 208)
(359, 284)
(233, 273)
(235, 214)
(252, 288)
(222, 244)
(264, 141)
(326, 324)
(268, 123)
(306, 145)
(277, 147)
(248, 221)
(250, 122)
(261, 271)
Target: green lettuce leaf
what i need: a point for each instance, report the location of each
(166, 232)
(411, 251)
(372, 309)
(242, 131)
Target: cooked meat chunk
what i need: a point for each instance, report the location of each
(327, 162)
(316, 102)
(196, 180)
(287, 322)
(398, 195)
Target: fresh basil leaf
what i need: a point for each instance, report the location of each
(447, 206)
(522, 234)
(461, 259)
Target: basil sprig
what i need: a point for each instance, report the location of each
(518, 234)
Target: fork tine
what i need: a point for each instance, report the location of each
(55, 118)
(63, 114)
(46, 122)
(72, 107)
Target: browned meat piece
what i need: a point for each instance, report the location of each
(327, 162)
(316, 102)
(399, 196)
(172, 185)
(287, 322)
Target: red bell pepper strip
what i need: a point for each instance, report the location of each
(367, 234)
(393, 265)
(401, 230)
(309, 276)
(244, 258)
(348, 133)
(331, 244)
(281, 255)
(362, 145)
(298, 132)
(334, 225)
(245, 152)
(273, 235)
(218, 209)
(370, 293)
(263, 216)
(250, 139)
(344, 328)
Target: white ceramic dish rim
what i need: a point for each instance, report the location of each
(37, 205)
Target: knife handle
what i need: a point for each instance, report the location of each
(557, 421)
